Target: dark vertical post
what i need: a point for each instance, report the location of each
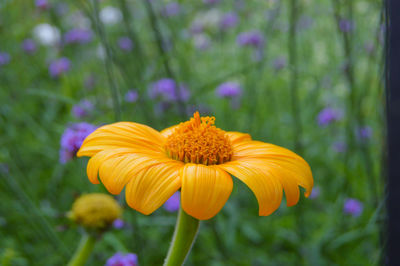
(393, 120)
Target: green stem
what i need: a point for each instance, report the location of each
(83, 251)
(186, 229)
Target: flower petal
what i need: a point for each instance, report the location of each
(153, 186)
(237, 137)
(277, 157)
(265, 186)
(205, 189)
(117, 171)
(286, 177)
(96, 161)
(122, 135)
(168, 131)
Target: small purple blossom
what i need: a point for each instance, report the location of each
(365, 132)
(339, 146)
(5, 58)
(125, 44)
(229, 20)
(167, 89)
(119, 259)
(229, 90)
(252, 38)
(118, 223)
(279, 63)
(29, 46)
(59, 67)
(346, 25)
(328, 115)
(42, 4)
(80, 36)
(171, 9)
(131, 96)
(173, 203)
(353, 207)
(72, 139)
(82, 109)
(315, 193)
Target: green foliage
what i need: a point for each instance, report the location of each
(338, 69)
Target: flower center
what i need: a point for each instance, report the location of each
(199, 141)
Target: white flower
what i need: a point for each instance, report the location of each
(110, 15)
(47, 34)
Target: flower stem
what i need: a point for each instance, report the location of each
(186, 229)
(83, 251)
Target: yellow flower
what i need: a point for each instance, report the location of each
(95, 211)
(196, 157)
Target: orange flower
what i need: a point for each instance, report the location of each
(197, 157)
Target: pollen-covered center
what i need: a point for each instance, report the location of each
(199, 141)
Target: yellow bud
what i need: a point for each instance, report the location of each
(95, 211)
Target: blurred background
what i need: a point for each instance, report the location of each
(303, 74)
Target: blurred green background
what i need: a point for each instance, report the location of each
(310, 78)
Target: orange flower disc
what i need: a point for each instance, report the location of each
(199, 141)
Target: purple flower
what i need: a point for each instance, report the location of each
(315, 193)
(346, 25)
(119, 259)
(131, 96)
(171, 9)
(252, 38)
(29, 46)
(42, 4)
(279, 63)
(365, 132)
(339, 146)
(229, 90)
(4, 58)
(118, 224)
(353, 207)
(72, 139)
(77, 35)
(328, 115)
(125, 44)
(59, 66)
(166, 89)
(82, 109)
(229, 20)
(172, 204)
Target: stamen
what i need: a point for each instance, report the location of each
(199, 141)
